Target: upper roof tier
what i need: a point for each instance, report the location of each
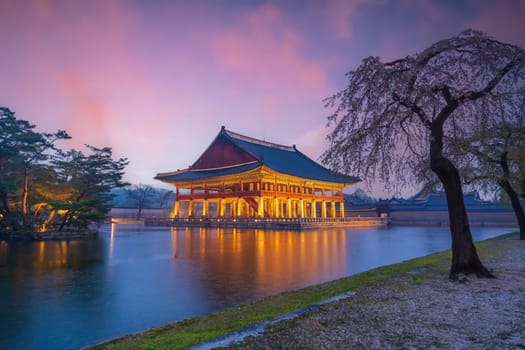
(232, 153)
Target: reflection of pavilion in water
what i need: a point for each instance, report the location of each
(261, 262)
(241, 179)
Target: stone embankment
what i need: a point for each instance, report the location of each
(270, 223)
(49, 235)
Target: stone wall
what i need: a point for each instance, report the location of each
(48, 236)
(440, 218)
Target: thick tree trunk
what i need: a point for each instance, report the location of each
(464, 255)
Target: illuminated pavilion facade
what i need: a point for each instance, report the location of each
(242, 177)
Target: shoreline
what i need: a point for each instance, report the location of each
(34, 236)
(189, 332)
(420, 309)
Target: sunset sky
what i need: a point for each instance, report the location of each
(155, 80)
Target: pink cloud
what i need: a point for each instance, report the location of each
(263, 49)
(340, 15)
(41, 8)
(87, 114)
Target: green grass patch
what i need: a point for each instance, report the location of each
(196, 330)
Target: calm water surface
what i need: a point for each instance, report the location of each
(67, 295)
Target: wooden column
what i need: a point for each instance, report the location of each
(176, 205)
(191, 207)
(238, 207)
(205, 208)
(176, 208)
(232, 209)
(260, 207)
(220, 209)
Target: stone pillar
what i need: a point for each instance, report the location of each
(342, 208)
(314, 209)
(289, 208)
(323, 209)
(332, 209)
(277, 211)
(301, 208)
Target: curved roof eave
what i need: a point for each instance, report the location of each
(189, 175)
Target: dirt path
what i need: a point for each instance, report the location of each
(417, 310)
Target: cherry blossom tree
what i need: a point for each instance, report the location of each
(399, 121)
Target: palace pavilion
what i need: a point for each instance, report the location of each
(243, 177)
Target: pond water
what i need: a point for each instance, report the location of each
(67, 295)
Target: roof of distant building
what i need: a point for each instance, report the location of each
(437, 201)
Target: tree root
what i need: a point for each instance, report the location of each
(481, 272)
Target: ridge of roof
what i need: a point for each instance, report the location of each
(225, 167)
(170, 173)
(249, 139)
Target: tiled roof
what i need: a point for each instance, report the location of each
(288, 160)
(188, 174)
(284, 159)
